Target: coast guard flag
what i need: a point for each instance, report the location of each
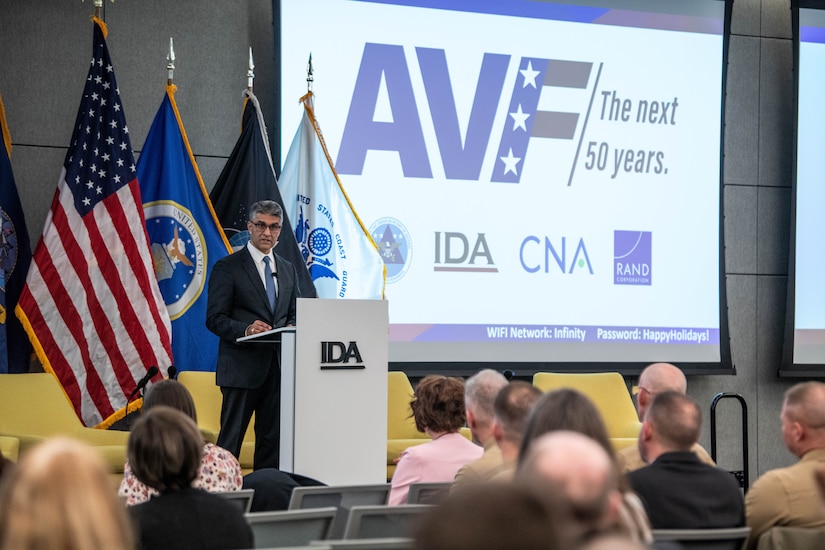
(184, 233)
(15, 257)
(339, 252)
(91, 304)
(249, 177)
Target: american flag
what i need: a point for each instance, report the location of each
(91, 304)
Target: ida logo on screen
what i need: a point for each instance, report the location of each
(632, 252)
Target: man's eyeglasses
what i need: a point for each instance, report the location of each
(263, 227)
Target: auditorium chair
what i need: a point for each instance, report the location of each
(609, 393)
(208, 399)
(33, 407)
(733, 538)
(791, 538)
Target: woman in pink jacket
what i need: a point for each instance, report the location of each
(438, 409)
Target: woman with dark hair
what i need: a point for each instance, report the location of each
(165, 448)
(571, 410)
(219, 470)
(438, 410)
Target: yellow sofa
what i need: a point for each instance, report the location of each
(33, 407)
(401, 430)
(208, 399)
(10, 447)
(609, 393)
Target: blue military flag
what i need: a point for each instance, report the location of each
(338, 251)
(184, 234)
(15, 257)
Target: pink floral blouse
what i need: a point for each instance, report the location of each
(219, 472)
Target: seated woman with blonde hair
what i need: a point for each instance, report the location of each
(60, 496)
(438, 410)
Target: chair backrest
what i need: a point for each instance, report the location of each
(343, 498)
(791, 538)
(400, 424)
(733, 538)
(290, 527)
(394, 543)
(428, 493)
(243, 498)
(371, 522)
(208, 400)
(34, 404)
(608, 392)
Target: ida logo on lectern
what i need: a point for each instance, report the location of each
(338, 355)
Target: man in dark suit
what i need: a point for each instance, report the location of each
(680, 491)
(252, 291)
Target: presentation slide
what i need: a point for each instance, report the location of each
(808, 267)
(542, 178)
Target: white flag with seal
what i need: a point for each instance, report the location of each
(339, 252)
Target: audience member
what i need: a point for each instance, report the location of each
(60, 496)
(571, 410)
(494, 516)
(219, 470)
(480, 392)
(655, 379)
(680, 491)
(582, 473)
(510, 411)
(789, 496)
(165, 449)
(438, 410)
(6, 466)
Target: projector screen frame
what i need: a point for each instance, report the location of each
(725, 365)
(788, 368)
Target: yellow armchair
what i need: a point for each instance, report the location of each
(608, 392)
(401, 430)
(10, 447)
(33, 407)
(208, 398)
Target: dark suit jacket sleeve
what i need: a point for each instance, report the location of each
(220, 304)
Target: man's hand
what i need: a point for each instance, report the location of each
(256, 328)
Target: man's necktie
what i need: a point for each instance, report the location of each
(269, 277)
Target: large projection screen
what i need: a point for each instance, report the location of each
(804, 351)
(543, 178)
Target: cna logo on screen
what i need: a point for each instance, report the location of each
(632, 252)
(385, 74)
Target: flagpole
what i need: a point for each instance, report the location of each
(310, 78)
(98, 4)
(170, 63)
(250, 72)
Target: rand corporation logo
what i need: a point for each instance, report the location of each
(632, 253)
(394, 245)
(8, 249)
(177, 253)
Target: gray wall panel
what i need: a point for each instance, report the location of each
(740, 229)
(775, 112)
(741, 109)
(773, 230)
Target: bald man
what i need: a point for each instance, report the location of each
(678, 490)
(581, 472)
(480, 392)
(789, 496)
(655, 379)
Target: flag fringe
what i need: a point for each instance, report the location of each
(100, 23)
(5, 128)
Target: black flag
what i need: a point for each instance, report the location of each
(247, 178)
